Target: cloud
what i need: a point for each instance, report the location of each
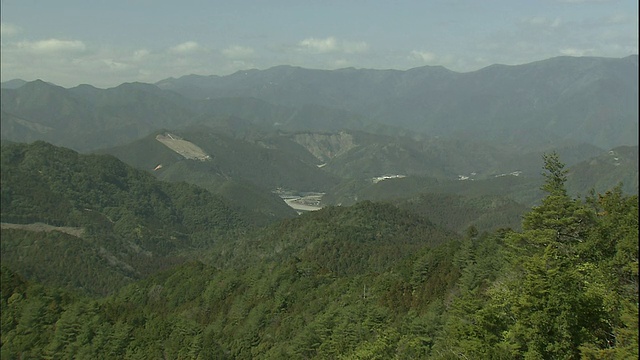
(116, 65)
(341, 63)
(611, 20)
(619, 19)
(424, 56)
(541, 21)
(141, 54)
(331, 45)
(186, 47)
(575, 51)
(8, 29)
(354, 47)
(319, 46)
(238, 52)
(68, 62)
(52, 46)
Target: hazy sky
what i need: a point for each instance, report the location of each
(106, 43)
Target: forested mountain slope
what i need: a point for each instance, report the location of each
(244, 173)
(368, 281)
(458, 183)
(618, 165)
(108, 222)
(86, 118)
(260, 161)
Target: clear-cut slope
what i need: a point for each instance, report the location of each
(183, 147)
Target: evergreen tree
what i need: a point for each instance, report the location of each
(559, 301)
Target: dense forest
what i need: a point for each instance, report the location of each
(368, 281)
(93, 223)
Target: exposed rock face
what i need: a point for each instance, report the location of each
(326, 146)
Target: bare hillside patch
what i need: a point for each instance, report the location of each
(183, 147)
(42, 227)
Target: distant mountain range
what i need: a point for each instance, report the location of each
(551, 102)
(85, 118)
(584, 99)
(338, 131)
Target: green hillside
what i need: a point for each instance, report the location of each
(122, 220)
(618, 165)
(366, 237)
(86, 118)
(256, 205)
(452, 204)
(460, 213)
(369, 281)
(265, 162)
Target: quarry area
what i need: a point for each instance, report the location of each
(301, 201)
(183, 147)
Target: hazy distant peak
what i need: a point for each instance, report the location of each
(186, 80)
(136, 85)
(13, 84)
(85, 87)
(39, 84)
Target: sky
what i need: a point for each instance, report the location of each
(107, 43)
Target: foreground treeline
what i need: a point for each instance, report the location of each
(369, 281)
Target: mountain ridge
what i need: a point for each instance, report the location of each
(559, 99)
(486, 101)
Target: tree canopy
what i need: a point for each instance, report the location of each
(368, 281)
